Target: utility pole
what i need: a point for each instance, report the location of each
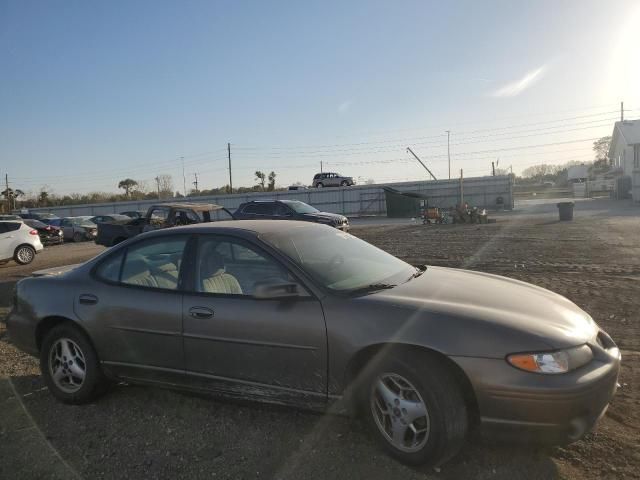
(320, 166)
(449, 151)
(421, 163)
(7, 193)
(622, 111)
(230, 182)
(184, 179)
(493, 169)
(158, 185)
(195, 183)
(461, 189)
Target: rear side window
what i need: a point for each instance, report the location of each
(13, 226)
(265, 209)
(250, 208)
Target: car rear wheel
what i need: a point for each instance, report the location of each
(319, 185)
(70, 365)
(416, 409)
(78, 237)
(24, 254)
(344, 183)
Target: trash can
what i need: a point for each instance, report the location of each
(565, 210)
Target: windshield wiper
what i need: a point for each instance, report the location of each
(420, 269)
(372, 288)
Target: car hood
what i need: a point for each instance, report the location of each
(324, 216)
(498, 302)
(52, 272)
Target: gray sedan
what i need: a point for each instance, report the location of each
(302, 314)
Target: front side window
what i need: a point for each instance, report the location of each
(154, 263)
(233, 267)
(300, 207)
(110, 268)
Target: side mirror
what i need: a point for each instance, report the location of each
(267, 290)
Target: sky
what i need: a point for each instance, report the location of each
(94, 92)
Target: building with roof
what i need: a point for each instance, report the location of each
(624, 154)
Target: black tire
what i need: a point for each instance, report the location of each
(319, 185)
(78, 237)
(344, 183)
(24, 254)
(94, 383)
(445, 406)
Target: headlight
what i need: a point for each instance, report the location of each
(561, 361)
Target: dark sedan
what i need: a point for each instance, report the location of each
(303, 314)
(289, 210)
(49, 234)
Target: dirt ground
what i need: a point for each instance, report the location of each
(137, 432)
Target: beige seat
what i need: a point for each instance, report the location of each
(214, 278)
(137, 272)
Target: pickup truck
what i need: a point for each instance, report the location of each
(163, 215)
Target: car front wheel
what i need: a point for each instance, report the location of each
(24, 254)
(416, 410)
(70, 365)
(319, 185)
(344, 183)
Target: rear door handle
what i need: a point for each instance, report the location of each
(87, 299)
(201, 312)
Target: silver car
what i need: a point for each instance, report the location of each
(331, 179)
(78, 229)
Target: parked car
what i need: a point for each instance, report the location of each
(299, 313)
(49, 235)
(160, 216)
(110, 218)
(54, 222)
(289, 210)
(18, 241)
(10, 217)
(78, 229)
(329, 179)
(37, 216)
(134, 213)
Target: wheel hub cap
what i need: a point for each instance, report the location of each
(67, 365)
(400, 412)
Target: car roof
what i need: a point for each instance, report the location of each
(256, 227)
(198, 207)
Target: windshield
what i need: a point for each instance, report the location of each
(339, 261)
(300, 207)
(35, 223)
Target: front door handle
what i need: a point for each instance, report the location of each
(88, 299)
(200, 312)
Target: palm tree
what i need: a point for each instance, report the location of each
(127, 184)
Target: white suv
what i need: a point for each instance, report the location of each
(18, 241)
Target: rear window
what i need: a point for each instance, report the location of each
(259, 208)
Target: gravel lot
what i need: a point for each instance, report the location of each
(139, 432)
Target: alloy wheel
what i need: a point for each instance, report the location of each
(400, 412)
(67, 365)
(24, 254)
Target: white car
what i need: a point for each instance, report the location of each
(19, 242)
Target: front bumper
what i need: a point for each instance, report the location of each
(550, 408)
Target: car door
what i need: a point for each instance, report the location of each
(135, 306)
(237, 343)
(67, 228)
(6, 241)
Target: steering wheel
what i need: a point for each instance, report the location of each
(335, 261)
